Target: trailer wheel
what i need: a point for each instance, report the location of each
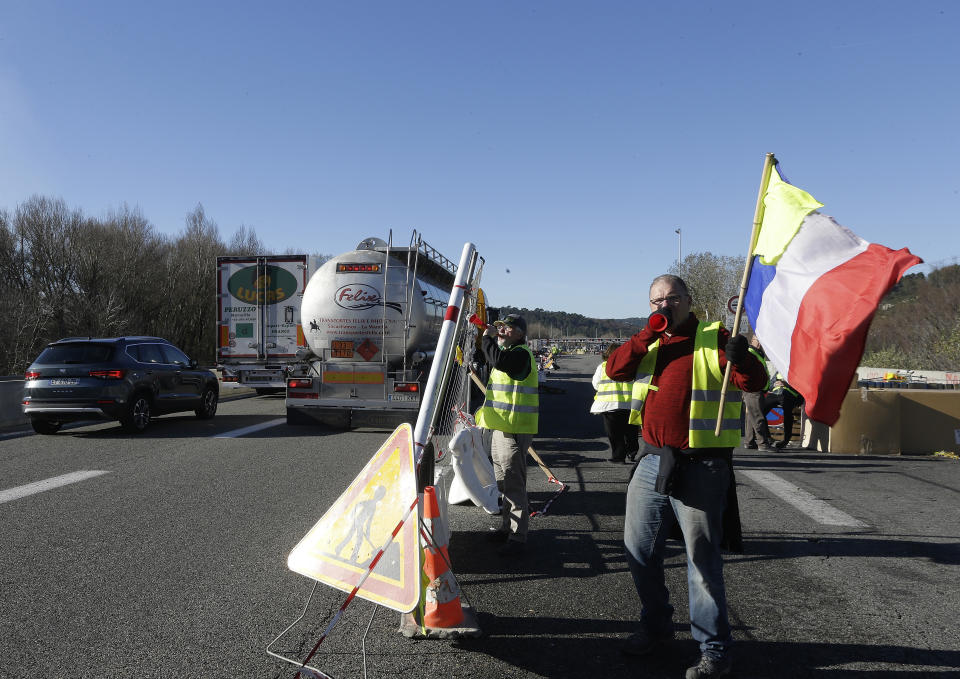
(295, 417)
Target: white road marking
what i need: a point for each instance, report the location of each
(46, 484)
(252, 428)
(812, 506)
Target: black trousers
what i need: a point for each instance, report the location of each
(788, 401)
(623, 436)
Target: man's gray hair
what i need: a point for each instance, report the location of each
(673, 280)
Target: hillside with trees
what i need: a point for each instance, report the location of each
(918, 324)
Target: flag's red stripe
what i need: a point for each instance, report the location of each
(832, 326)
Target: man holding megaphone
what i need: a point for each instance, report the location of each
(685, 477)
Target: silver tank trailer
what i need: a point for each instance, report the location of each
(344, 309)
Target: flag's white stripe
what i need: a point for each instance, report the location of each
(249, 430)
(47, 484)
(815, 508)
(820, 246)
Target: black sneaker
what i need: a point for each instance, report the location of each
(642, 642)
(708, 668)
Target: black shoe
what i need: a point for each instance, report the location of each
(512, 548)
(767, 447)
(644, 643)
(781, 444)
(708, 668)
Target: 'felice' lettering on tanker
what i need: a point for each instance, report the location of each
(357, 296)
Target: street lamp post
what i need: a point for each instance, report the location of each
(679, 249)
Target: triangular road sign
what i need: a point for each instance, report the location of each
(339, 548)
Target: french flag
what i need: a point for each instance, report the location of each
(812, 308)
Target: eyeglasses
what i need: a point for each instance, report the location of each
(671, 300)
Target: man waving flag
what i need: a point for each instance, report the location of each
(814, 287)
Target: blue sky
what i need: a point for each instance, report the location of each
(568, 140)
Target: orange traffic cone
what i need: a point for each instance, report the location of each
(442, 596)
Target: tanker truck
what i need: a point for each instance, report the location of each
(371, 319)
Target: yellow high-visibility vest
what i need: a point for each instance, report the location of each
(511, 406)
(704, 394)
(611, 391)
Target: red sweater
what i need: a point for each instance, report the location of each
(666, 411)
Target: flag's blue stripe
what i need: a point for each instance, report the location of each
(783, 177)
(761, 275)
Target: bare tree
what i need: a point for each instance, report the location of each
(712, 280)
(192, 271)
(245, 242)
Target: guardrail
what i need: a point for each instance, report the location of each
(932, 378)
(11, 398)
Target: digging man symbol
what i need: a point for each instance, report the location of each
(361, 519)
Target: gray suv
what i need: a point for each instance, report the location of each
(128, 379)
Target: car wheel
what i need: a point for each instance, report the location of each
(137, 417)
(208, 404)
(46, 426)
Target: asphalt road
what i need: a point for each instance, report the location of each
(172, 563)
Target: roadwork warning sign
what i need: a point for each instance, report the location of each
(339, 548)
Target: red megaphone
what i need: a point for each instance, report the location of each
(660, 321)
(477, 322)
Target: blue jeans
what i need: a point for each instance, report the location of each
(698, 500)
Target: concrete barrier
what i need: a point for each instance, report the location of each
(890, 422)
(11, 398)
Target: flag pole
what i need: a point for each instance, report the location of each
(768, 164)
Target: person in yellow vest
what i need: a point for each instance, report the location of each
(511, 410)
(685, 477)
(612, 401)
(783, 395)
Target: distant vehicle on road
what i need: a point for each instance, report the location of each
(129, 379)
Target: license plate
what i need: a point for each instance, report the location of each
(64, 381)
(404, 397)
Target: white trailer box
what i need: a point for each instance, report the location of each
(258, 317)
